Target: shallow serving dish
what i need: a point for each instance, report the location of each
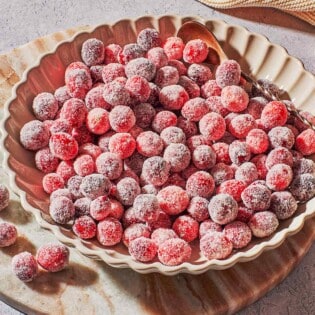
(255, 54)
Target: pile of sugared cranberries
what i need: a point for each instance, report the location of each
(148, 145)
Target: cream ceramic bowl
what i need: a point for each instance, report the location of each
(255, 54)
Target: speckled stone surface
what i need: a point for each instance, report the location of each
(22, 21)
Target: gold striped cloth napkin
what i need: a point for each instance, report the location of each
(303, 9)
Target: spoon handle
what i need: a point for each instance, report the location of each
(269, 96)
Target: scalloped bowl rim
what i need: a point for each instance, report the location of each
(103, 253)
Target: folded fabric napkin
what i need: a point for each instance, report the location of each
(303, 9)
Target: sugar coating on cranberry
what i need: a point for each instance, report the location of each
(221, 150)
(62, 192)
(175, 179)
(34, 135)
(109, 164)
(257, 141)
(149, 144)
(234, 98)
(173, 97)
(305, 142)
(45, 106)
(228, 73)
(212, 126)
(255, 106)
(8, 234)
(111, 52)
(127, 189)
(84, 165)
(191, 87)
(24, 266)
(112, 71)
(60, 125)
(52, 182)
(281, 137)
(92, 52)
(160, 235)
(173, 199)
(158, 56)
(96, 73)
(73, 185)
(256, 197)
(114, 93)
(156, 170)
(45, 161)
(215, 105)
(279, 177)
(134, 231)
(144, 114)
(138, 88)
(149, 38)
(130, 52)
(82, 207)
(221, 173)
(208, 226)
(172, 135)
(199, 73)
(283, 204)
(122, 144)
(215, 245)
(65, 170)
(274, 114)
(179, 65)
(303, 187)
(210, 88)
(194, 109)
(200, 184)
(90, 149)
(94, 99)
(78, 82)
(61, 210)
(195, 51)
(232, 187)
(100, 208)
(146, 207)
(238, 233)
(109, 231)
(241, 125)
(198, 208)
(260, 162)
(189, 127)
(244, 214)
(173, 47)
(239, 152)
(163, 119)
(263, 223)
(84, 227)
(166, 76)
(204, 157)
(142, 249)
(94, 185)
(178, 156)
(53, 257)
(223, 208)
(122, 118)
(129, 217)
(174, 252)
(186, 228)
(63, 146)
(61, 95)
(304, 166)
(247, 172)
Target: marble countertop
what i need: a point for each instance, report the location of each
(22, 21)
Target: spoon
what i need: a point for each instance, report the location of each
(195, 30)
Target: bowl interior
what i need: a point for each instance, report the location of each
(254, 52)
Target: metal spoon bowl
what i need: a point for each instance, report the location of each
(195, 30)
